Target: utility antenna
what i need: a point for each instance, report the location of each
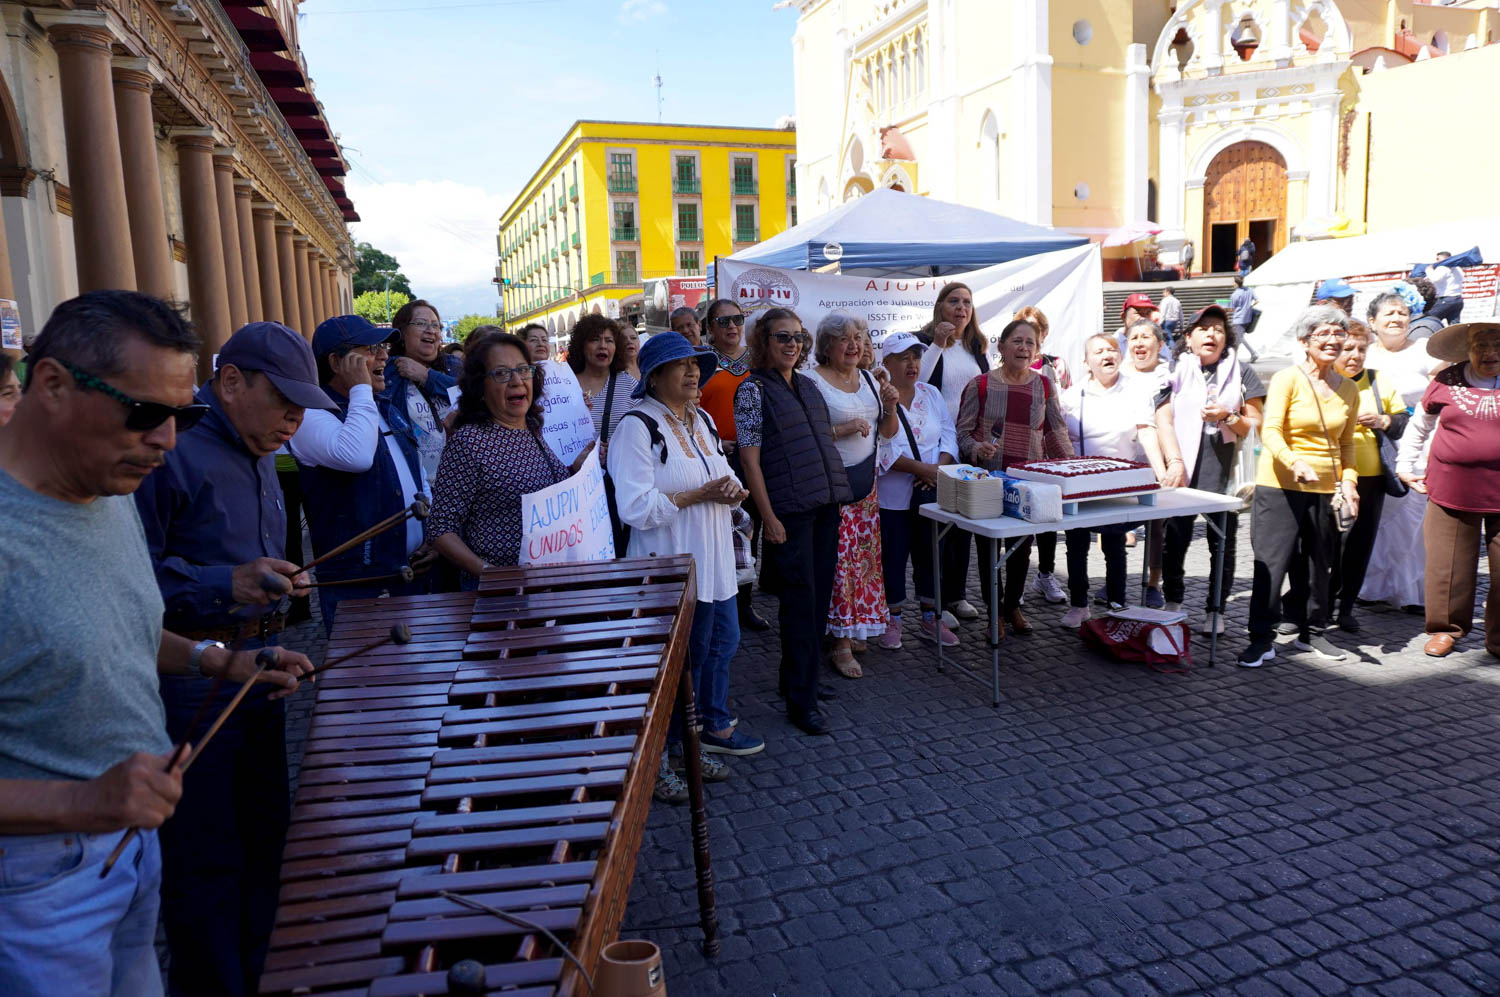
(657, 81)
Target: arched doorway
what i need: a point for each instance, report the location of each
(1244, 196)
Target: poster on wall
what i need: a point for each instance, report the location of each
(664, 295)
(567, 426)
(568, 521)
(10, 325)
(1065, 284)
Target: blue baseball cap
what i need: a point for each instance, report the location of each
(348, 330)
(1334, 287)
(665, 347)
(283, 356)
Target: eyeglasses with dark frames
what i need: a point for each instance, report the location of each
(504, 375)
(725, 321)
(140, 417)
(791, 337)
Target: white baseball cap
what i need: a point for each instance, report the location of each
(897, 343)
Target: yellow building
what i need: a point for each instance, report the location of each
(1216, 119)
(616, 202)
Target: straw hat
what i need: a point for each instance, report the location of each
(1452, 343)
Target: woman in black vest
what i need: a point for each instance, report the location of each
(797, 480)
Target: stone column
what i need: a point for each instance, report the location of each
(318, 270)
(96, 173)
(207, 291)
(229, 235)
(148, 218)
(246, 228)
(304, 286)
(330, 303)
(286, 262)
(264, 221)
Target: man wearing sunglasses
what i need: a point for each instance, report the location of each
(216, 527)
(359, 464)
(83, 736)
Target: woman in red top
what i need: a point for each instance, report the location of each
(1007, 416)
(1460, 410)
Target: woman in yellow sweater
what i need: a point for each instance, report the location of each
(1307, 453)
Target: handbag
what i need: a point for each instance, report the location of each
(1162, 647)
(862, 475)
(1343, 515)
(1389, 479)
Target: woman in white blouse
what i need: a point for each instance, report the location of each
(674, 488)
(857, 404)
(907, 464)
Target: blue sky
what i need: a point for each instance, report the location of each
(445, 107)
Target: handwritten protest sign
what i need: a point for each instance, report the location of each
(567, 426)
(568, 521)
(10, 325)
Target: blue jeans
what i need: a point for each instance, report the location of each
(711, 646)
(63, 930)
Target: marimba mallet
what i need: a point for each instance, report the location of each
(400, 634)
(418, 510)
(267, 658)
(406, 574)
(466, 977)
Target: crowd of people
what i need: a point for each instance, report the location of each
(152, 527)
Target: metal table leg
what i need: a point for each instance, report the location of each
(938, 532)
(1216, 575)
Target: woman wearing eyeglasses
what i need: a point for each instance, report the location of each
(495, 455)
(418, 377)
(724, 325)
(628, 341)
(796, 477)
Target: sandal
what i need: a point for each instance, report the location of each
(843, 662)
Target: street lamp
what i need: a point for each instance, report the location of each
(387, 274)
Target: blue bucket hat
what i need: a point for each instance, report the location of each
(665, 347)
(1334, 287)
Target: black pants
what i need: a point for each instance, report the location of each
(803, 567)
(1046, 553)
(1449, 308)
(1286, 527)
(1178, 537)
(1078, 566)
(955, 555)
(221, 850)
(1013, 583)
(905, 533)
(1353, 551)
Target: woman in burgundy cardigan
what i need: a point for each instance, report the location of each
(1460, 411)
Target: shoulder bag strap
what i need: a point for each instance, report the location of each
(1375, 393)
(609, 398)
(911, 438)
(1327, 437)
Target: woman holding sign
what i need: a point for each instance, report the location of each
(494, 456)
(597, 357)
(797, 478)
(675, 490)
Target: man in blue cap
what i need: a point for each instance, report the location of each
(215, 527)
(359, 466)
(1337, 292)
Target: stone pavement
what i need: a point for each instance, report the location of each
(1310, 827)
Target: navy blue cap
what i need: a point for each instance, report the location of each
(348, 330)
(1334, 287)
(283, 356)
(665, 347)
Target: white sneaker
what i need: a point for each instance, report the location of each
(949, 620)
(964, 610)
(1074, 617)
(1173, 607)
(1213, 623)
(1050, 588)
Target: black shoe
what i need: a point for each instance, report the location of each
(811, 722)
(1349, 624)
(752, 620)
(825, 694)
(1288, 627)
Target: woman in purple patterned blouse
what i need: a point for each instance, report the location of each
(494, 455)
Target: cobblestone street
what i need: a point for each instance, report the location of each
(1312, 827)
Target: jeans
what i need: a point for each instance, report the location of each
(711, 647)
(1287, 526)
(904, 533)
(1013, 577)
(1449, 308)
(1078, 566)
(1179, 535)
(64, 930)
(804, 567)
(221, 850)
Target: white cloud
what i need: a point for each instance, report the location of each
(640, 10)
(441, 232)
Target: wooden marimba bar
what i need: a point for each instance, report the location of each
(506, 755)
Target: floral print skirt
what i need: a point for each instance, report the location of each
(858, 609)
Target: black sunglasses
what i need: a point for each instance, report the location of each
(725, 321)
(140, 417)
(791, 337)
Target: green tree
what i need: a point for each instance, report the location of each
(467, 324)
(367, 275)
(372, 305)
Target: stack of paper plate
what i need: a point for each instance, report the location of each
(983, 498)
(947, 485)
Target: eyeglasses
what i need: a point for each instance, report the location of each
(1336, 334)
(370, 351)
(725, 321)
(425, 326)
(504, 375)
(792, 337)
(140, 417)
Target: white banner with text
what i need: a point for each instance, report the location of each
(568, 521)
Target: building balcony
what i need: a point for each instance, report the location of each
(622, 184)
(746, 234)
(572, 192)
(554, 255)
(625, 233)
(687, 185)
(596, 279)
(576, 240)
(626, 277)
(552, 211)
(743, 188)
(791, 187)
(690, 235)
(566, 249)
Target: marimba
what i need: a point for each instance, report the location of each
(504, 757)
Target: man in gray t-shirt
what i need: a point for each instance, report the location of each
(83, 745)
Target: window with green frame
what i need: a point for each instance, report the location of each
(620, 166)
(687, 262)
(744, 217)
(687, 222)
(625, 267)
(744, 169)
(687, 169)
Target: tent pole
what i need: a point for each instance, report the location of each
(716, 275)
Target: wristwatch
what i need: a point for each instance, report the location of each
(195, 660)
(1231, 418)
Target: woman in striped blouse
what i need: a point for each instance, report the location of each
(1007, 416)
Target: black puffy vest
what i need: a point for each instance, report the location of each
(798, 460)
